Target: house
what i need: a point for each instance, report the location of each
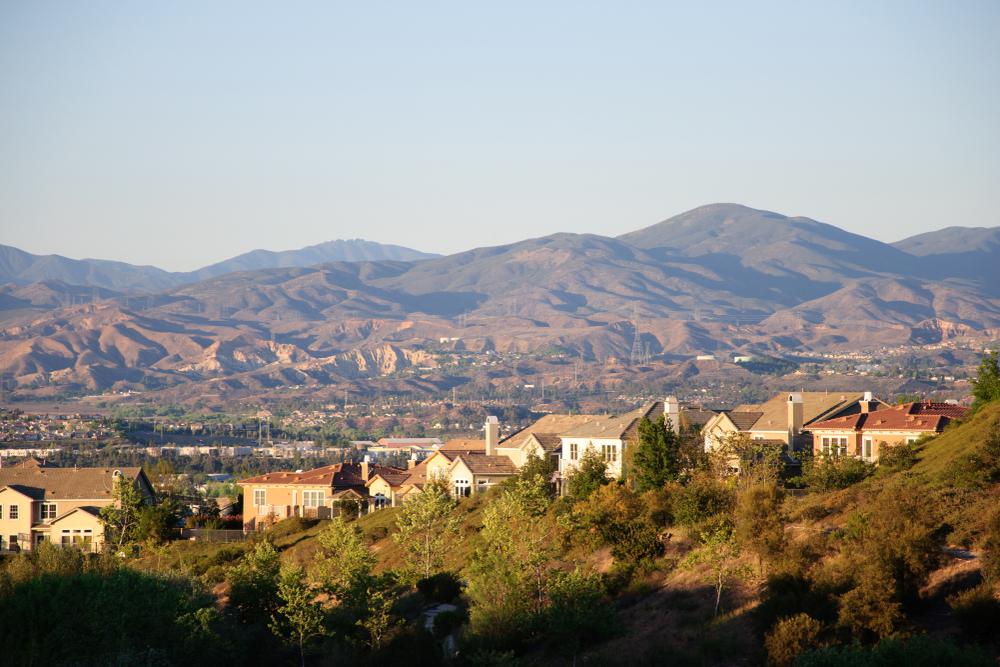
(419, 448)
(275, 496)
(785, 418)
(867, 433)
(41, 503)
(466, 466)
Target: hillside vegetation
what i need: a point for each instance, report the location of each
(899, 565)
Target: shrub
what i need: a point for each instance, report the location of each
(700, 499)
(991, 556)
(440, 587)
(920, 651)
(447, 622)
(977, 611)
(898, 457)
(871, 608)
(835, 472)
(790, 637)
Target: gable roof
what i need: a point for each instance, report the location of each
(816, 406)
(743, 419)
(481, 464)
(551, 425)
(48, 483)
(92, 511)
(463, 445)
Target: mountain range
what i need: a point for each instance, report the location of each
(17, 266)
(720, 278)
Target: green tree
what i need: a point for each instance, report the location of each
(719, 553)
(656, 460)
(377, 620)
(253, 583)
(121, 517)
(508, 577)
(591, 474)
(299, 617)
(986, 384)
(343, 559)
(426, 528)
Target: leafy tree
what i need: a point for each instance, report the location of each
(253, 583)
(578, 610)
(509, 574)
(591, 474)
(426, 528)
(656, 460)
(719, 552)
(377, 620)
(121, 517)
(298, 618)
(538, 471)
(343, 559)
(986, 384)
(759, 527)
(157, 522)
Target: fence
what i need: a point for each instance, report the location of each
(213, 535)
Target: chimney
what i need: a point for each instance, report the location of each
(866, 403)
(411, 462)
(492, 429)
(364, 467)
(795, 418)
(672, 411)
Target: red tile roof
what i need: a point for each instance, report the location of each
(921, 417)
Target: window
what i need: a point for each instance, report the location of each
(572, 451)
(910, 441)
(868, 448)
(312, 498)
(47, 511)
(259, 497)
(609, 453)
(12, 542)
(834, 445)
(381, 501)
(462, 488)
(13, 511)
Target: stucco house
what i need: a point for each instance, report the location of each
(466, 466)
(271, 497)
(868, 433)
(785, 418)
(41, 503)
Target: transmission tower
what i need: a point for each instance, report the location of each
(636, 355)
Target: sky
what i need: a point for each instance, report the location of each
(181, 133)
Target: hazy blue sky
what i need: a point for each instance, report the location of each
(181, 133)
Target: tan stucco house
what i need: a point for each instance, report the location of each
(785, 418)
(275, 496)
(40, 503)
(868, 433)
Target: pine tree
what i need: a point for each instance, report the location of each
(657, 454)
